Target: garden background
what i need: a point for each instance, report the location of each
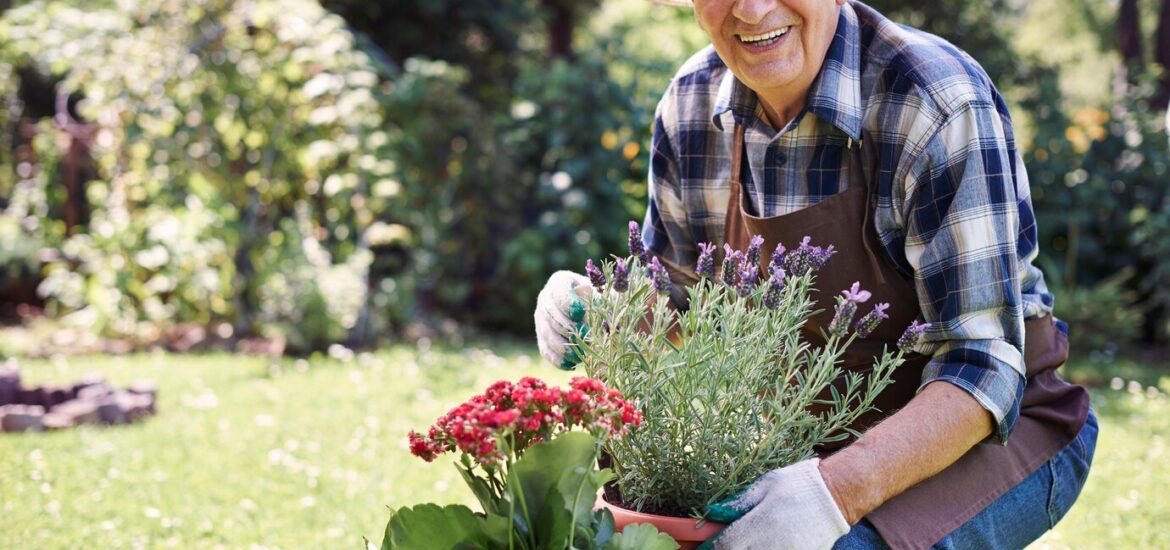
(317, 225)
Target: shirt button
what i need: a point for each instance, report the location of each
(781, 159)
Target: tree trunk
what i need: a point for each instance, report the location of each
(77, 166)
(1162, 54)
(1129, 37)
(560, 28)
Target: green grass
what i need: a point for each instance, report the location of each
(1125, 503)
(249, 452)
(245, 452)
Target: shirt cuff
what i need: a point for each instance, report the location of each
(989, 370)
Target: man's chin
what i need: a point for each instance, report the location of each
(764, 78)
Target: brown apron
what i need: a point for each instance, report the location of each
(1051, 413)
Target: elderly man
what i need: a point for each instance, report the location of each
(824, 118)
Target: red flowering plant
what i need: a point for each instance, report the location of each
(528, 452)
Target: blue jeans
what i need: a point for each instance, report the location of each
(1022, 514)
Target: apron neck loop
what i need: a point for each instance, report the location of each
(737, 149)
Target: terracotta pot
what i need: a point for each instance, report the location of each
(682, 530)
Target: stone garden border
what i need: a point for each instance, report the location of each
(90, 400)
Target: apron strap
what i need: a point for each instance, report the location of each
(737, 147)
(860, 151)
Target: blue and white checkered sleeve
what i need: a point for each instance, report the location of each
(962, 230)
(665, 230)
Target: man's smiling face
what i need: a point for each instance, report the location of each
(775, 47)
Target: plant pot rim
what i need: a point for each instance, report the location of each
(681, 529)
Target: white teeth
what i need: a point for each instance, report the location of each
(766, 36)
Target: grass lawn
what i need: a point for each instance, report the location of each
(254, 453)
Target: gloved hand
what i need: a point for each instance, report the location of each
(560, 308)
(788, 508)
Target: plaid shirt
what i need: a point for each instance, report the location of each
(953, 207)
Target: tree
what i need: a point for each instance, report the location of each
(1162, 53)
(1129, 38)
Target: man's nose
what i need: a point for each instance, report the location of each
(752, 11)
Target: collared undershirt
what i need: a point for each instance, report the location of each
(953, 207)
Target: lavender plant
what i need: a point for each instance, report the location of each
(728, 387)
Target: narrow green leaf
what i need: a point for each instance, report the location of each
(482, 492)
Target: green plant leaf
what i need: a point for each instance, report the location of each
(569, 508)
(482, 492)
(579, 486)
(497, 527)
(554, 522)
(427, 526)
(549, 481)
(603, 523)
(641, 536)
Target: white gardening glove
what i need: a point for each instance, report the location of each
(789, 508)
(560, 308)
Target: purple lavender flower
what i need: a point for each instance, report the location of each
(807, 257)
(705, 267)
(659, 276)
(621, 275)
(820, 256)
(748, 273)
(855, 294)
(910, 337)
(847, 309)
(773, 295)
(596, 277)
(799, 260)
(753, 251)
(637, 249)
(777, 257)
(731, 261)
(870, 321)
(844, 312)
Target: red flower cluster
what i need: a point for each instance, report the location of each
(512, 417)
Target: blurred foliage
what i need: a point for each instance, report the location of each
(213, 123)
(1098, 180)
(1097, 167)
(1126, 173)
(336, 171)
(1105, 317)
(263, 165)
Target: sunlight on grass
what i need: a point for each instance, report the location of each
(291, 454)
(1124, 503)
(307, 454)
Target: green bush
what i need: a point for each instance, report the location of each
(217, 122)
(134, 275)
(332, 186)
(500, 199)
(456, 196)
(1104, 317)
(1099, 189)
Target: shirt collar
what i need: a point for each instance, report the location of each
(733, 96)
(835, 95)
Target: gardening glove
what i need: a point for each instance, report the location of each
(560, 308)
(789, 508)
